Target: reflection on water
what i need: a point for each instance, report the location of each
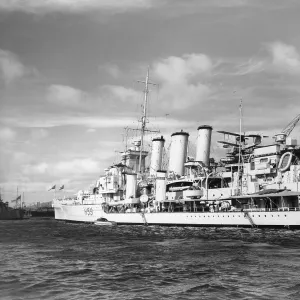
(47, 259)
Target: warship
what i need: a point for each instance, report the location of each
(255, 185)
(9, 213)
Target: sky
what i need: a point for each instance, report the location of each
(69, 74)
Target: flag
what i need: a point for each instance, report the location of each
(53, 188)
(62, 187)
(17, 199)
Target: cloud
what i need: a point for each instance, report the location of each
(46, 6)
(279, 58)
(91, 130)
(11, 68)
(72, 97)
(71, 168)
(284, 57)
(117, 6)
(251, 66)
(175, 69)
(7, 134)
(117, 93)
(65, 95)
(37, 169)
(39, 133)
(75, 166)
(180, 79)
(112, 69)
(54, 120)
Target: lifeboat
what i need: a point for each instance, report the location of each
(104, 222)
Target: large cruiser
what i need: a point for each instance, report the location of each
(254, 185)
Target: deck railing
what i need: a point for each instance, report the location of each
(210, 212)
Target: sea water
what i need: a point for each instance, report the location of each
(48, 259)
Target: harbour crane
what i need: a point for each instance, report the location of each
(281, 137)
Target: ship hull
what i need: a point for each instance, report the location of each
(288, 219)
(90, 213)
(11, 214)
(78, 213)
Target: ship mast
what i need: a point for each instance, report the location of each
(144, 117)
(146, 91)
(240, 144)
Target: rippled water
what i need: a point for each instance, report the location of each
(46, 259)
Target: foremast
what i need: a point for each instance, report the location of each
(240, 170)
(144, 116)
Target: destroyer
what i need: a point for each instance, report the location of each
(253, 185)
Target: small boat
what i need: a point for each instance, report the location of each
(104, 222)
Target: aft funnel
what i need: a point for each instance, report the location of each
(156, 155)
(203, 144)
(178, 152)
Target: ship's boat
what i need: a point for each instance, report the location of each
(104, 222)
